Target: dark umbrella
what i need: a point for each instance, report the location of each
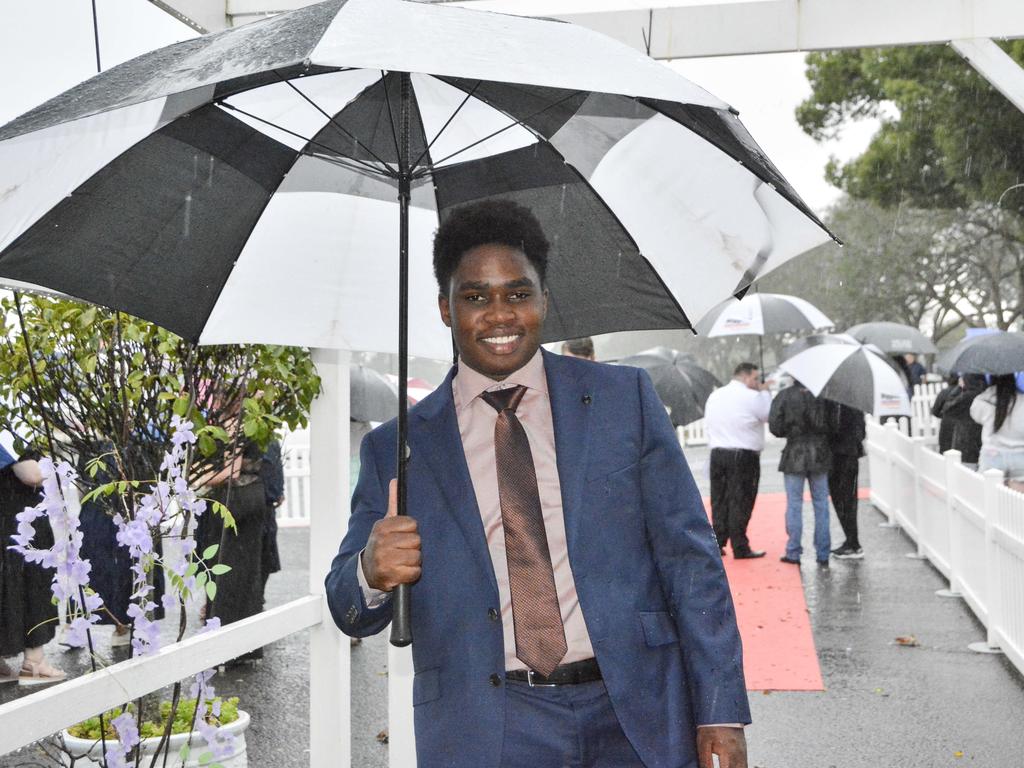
(893, 338)
(256, 185)
(372, 397)
(995, 354)
(681, 383)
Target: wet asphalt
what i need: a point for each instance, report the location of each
(885, 705)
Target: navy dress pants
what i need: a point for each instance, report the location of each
(567, 726)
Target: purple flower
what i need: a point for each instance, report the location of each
(127, 730)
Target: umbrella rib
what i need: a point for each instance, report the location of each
(331, 119)
(513, 124)
(391, 115)
(447, 123)
(362, 164)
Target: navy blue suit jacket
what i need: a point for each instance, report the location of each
(646, 564)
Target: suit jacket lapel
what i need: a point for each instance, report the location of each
(570, 412)
(439, 444)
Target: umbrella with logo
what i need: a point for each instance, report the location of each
(837, 367)
(893, 338)
(280, 182)
(680, 382)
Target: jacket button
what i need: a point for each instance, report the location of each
(495, 680)
(492, 614)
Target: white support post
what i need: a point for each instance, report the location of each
(953, 518)
(330, 701)
(995, 65)
(888, 494)
(921, 522)
(993, 484)
(401, 734)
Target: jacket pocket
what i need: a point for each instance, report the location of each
(659, 628)
(426, 686)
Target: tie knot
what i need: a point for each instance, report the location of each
(505, 399)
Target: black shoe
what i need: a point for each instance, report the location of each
(846, 552)
(823, 563)
(790, 560)
(748, 554)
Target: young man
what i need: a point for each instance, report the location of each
(734, 417)
(569, 606)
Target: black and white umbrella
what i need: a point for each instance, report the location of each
(993, 353)
(893, 338)
(757, 314)
(280, 182)
(680, 382)
(838, 367)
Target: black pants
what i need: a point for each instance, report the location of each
(735, 474)
(842, 487)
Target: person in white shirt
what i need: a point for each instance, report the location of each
(734, 418)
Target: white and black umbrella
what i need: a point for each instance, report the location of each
(893, 338)
(757, 314)
(992, 353)
(838, 367)
(682, 384)
(280, 182)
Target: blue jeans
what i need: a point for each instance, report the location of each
(795, 515)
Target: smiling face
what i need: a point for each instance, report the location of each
(495, 307)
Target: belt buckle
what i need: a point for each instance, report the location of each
(529, 681)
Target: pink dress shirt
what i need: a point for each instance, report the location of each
(476, 425)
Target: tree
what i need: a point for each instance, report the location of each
(109, 384)
(947, 137)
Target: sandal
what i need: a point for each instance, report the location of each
(39, 673)
(7, 674)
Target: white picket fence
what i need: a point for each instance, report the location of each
(970, 526)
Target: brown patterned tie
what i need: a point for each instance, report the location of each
(537, 619)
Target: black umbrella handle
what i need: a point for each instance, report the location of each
(401, 622)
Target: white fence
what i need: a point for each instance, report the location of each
(969, 525)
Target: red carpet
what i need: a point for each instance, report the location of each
(778, 646)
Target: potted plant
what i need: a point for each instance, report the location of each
(190, 740)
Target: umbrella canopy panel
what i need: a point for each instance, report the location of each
(994, 354)
(852, 375)
(372, 396)
(893, 338)
(242, 187)
(757, 314)
(680, 382)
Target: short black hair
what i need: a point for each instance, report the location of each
(745, 368)
(583, 347)
(500, 221)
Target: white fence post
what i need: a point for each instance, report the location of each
(889, 432)
(920, 515)
(330, 680)
(952, 459)
(993, 485)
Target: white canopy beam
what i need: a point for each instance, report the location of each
(996, 66)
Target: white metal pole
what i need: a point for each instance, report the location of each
(330, 680)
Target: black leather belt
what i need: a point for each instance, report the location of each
(577, 672)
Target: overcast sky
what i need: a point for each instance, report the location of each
(46, 46)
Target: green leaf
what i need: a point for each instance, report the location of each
(211, 590)
(210, 551)
(180, 406)
(87, 317)
(229, 520)
(206, 758)
(220, 569)
(184, 753)
(89, 364)
(201, 579)
(206, 445)
(191, 570)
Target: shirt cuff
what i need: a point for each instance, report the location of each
(374, 598)
(720, 725)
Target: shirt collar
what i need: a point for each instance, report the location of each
(469, 384)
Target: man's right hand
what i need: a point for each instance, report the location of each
(392, 554)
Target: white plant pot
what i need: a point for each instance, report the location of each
(88, 753)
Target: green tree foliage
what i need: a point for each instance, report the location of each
(947, 137)
(109, 384)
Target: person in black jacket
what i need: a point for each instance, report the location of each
(946, 425)
(846, 440)
(966, 431)
(800, 417)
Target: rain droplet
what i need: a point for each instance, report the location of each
(187, 224)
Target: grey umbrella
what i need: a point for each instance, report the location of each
(893, 338)
(372, 397)
(995, 354)
(680, 382)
